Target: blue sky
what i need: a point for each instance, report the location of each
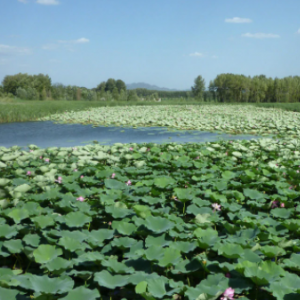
(163, 42)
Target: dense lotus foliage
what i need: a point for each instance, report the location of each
(226, 118)
(185, 222)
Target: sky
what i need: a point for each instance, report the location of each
(167, 43)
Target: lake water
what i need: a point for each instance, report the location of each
(49, 134)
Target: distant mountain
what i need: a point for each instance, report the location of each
(143, 85)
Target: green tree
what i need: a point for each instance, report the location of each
(132, 96)
(110, 85)
(120, 85)
(101, 87)
(199, 87)
(21, 93)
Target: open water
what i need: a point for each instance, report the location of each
(48, 134)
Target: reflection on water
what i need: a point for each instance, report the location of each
(48, 134)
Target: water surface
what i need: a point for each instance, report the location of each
(48, 134)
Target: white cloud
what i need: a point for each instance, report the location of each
(197, 54)
(298, 31)
(238, 20)
(261, 35)
(215, 57)
(78, 41)
(82, 41)
(23, 1)
(47, 2)
(7, 50)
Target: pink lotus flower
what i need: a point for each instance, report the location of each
(47, 159)
(274, 204)
(216, 206)
(128, 182)
(81, 176)
(81, 199)
(297, 171)
(41, 157)
(130, 148)
(113, 175)
(59, 179)
(30, 150)
(227, 275)
(28, 173)
(228, 294)
(282, 205)
(75, 170)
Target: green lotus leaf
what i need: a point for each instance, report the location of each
(4, 181)
(43, 221)
(18, 215)
(124, 228)
(281, 213)
(272, 251)
(114, 184)
(187, 266)
(123, 242)
(118, 212)
(264, 273)
(141, 287)
(214, 285)
(117, 267)
(184, 247)
(89, 257)
(292, 224)
(163, 182)
(253, 194)
(44, 284)
(81, 293)
(98, 236)
(281, 291)
(13, 246)
(185, 194)
(230, 250)
(159, 240)
(293, 262)
(46, 253)
(170, 257)
(142, 211)
(8, 231)
(58, 263)
(8, 294)
(105, 279)
(71, 244)
(156, 287)
(203, 219)
(76, 219)
(153, 253)
(24, 188)
(158, 224)
(228, 175)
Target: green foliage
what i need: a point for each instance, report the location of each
(198, 88)
(128, 242)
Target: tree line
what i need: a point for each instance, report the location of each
(224, 88)
(239, 88)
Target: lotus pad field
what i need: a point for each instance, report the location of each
(234, 119)
(169, 221)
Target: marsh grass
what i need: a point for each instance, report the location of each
(22, 111)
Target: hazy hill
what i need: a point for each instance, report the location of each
(142, 85)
